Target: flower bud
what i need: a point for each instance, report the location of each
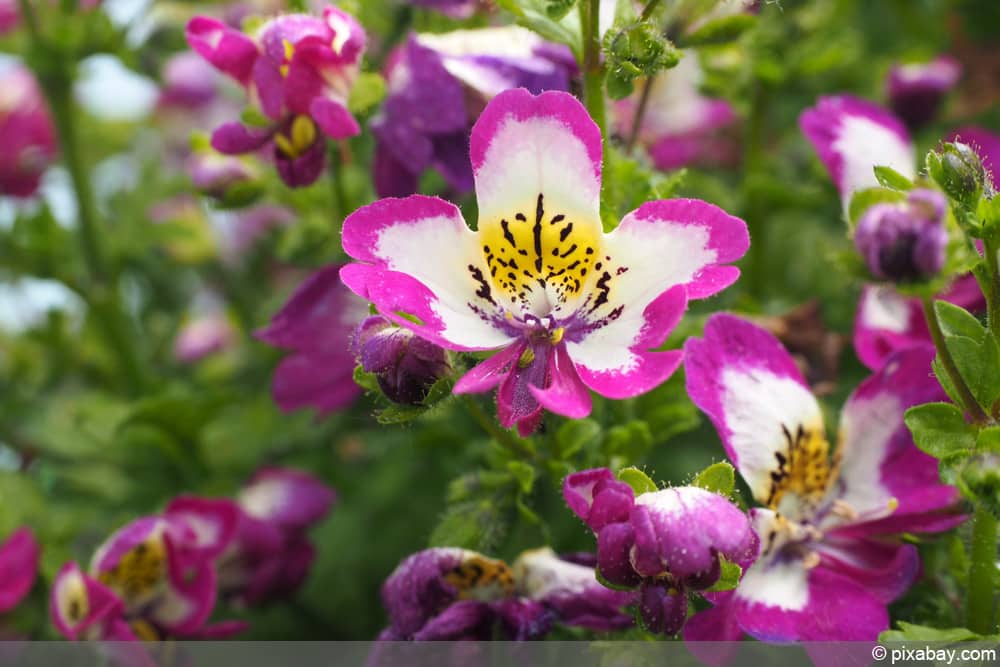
(916, 90)
(959, 172)
(405, 365)
(663, 609)
(980, 478)
(904, 242)
(226, 178)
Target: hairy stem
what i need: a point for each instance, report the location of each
(506, 439)
(640, 112)
(967, 400)
(992, 288)
(593, 68)
(979, 600)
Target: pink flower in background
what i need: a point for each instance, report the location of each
(19, 556)
(26, 133)
(829, 560)
(567, 308)
(916, 90)
(456, 9)
(300, 70)
(316, 326)
(203, 336)
(680, 125)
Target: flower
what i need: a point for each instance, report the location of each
(316, 325)
(188, 82)
(300, 69)
(26, 133)
(271, 554)
(905, 241)
(152, 578)
(10, 16)
(916, 90)
(405, 365)
(445, 593)
(666, 542)
(439, 84)
(887, 321)
(680, 126)
(246, 227)
(203, 336)
(19, 556)
(827, 564)
(568, 308)
(852, 136)
(222, 177)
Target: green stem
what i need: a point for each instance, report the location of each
(640, 113)
(979, 601)
(992, 288)
(509, 441)
(754, 163)
(593, 68)
(57, 85)
(648, 10)
(967, 400)
(337, 182)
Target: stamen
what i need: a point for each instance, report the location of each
(843, 510)
(556, 337)
(810, 560)
(303, 133)
(284, 145)
(527, 357)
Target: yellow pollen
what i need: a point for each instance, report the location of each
(284, 145)
(144, 631)
(509, 315)
(526, 358)
(289, 49)
(893, 504)
(303, 132)
(557, 336)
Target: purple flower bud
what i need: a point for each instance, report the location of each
(904, 242)
(188, 82)
(215, 175)
(663, 609)
(916, 90)
(406, 366)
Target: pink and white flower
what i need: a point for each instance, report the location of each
(152, 578)
(916, 89)
(300, 70)
(26, 133)
(827, 564)
(567, 307)
(681, 126)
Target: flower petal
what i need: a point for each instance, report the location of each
(416, 590)
(291, 498)
(565, 395)
(751, 389)
(852, 136)
(430, 268)
(202, 528)
(229, 50)
(597, 497)
(235, 138)
(489, 373)
(80, 606)
(334, 118)
(320, 380)
(880, 465)
(710, 635)
(19, 556)
(885, 570)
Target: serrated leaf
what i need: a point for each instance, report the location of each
(637, 479)
(939, 429)
(533, 14)
(718, 478)
(890, 178)
(729, 578)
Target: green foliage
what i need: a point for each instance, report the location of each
(718, 478)
(638, 480)
(730, 577)
(636, 50)
(975, 351)
(719, 31)
(940, 429)
(537, 16)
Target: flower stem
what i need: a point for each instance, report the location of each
(593, 68)
(992, 290)
(648, 10)
(337, 182)
(640, 112)
(56, 83)
(757, 268)
(979, 600)
(512, 443)
(967, 400)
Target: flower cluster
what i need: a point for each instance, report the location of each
(568, 308)
(300, 69)
(439, 84)
(829, 558)
(666, 542)
(160, 576)
(447, 593)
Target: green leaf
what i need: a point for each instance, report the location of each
(557, 9)
(254, 117)
(956, 321)
(718, 478)
(534, 15)
(939, 429)
(864, 199)
(730, 577)
(913, 632)
(368, 91)
(890, 178)
(574, 435)
(523, 473)
(479, 525)
(720, 30)
(637, 479)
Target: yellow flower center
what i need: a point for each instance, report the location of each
(299, 138)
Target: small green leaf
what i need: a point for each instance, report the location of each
(718, 478)
(638, 480)
(556, 9)
(730, 577)
(479, 525)
(366, 381)
(574, 435)
(956, 321)
(254, 117)
(913, 632)
(367, 92)
(523, 473)
(890, 178)
(939, 429)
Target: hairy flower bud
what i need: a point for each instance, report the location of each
(904, 242)
(406, 366)
(980, 478)
(959, 172)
